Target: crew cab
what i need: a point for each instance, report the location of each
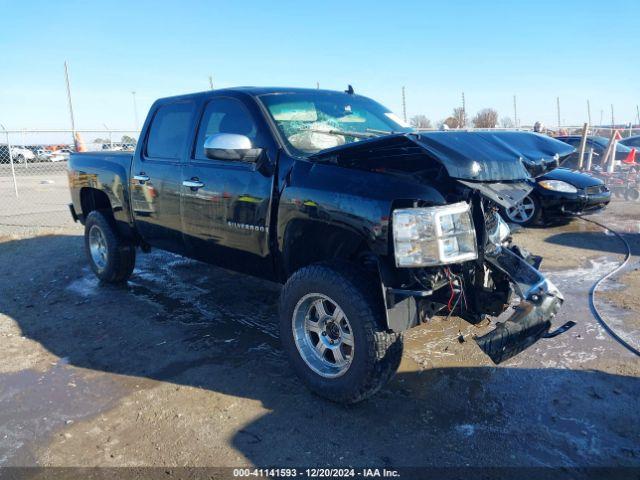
(371, 227)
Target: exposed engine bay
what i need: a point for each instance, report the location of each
(502, 277)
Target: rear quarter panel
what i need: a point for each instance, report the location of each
(107, 172)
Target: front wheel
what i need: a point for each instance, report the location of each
(632, 194)
(525, 213)
(331, 327)
(111, 258)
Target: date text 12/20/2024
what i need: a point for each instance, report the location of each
(315, 472)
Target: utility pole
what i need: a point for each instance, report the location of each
(558, 107)
(589, 112)
(464, 112)
(68, 83)
(404, 106)
(601, 116)
(210, 82)
(515, 112)
(613, 120)
(135, 110)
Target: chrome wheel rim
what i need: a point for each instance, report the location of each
(323, 335)
(523, 211)
(98, 247)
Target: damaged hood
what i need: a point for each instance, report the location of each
(472, 156)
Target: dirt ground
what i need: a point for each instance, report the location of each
(627, 295)
(183, 367)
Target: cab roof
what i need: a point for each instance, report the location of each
(250, 91)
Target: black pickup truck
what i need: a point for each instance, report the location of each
(373, 228)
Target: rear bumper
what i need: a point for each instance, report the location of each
(74, 215)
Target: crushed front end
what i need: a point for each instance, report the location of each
(461, 261)
(457, 258)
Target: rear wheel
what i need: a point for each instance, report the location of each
(111, 258)
(525, 213)
(331, 327)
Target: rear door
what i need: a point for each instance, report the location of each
(156, 176)
(226, 218)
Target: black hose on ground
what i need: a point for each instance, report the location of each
(594, 289)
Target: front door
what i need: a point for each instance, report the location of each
(226, 203)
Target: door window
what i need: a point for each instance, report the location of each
(169, 130)
(225, 115)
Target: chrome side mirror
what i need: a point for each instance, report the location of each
(230, 146)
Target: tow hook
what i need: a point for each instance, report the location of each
(531, 320)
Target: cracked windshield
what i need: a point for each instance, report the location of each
(312, 122)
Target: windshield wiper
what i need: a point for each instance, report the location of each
(381, 132)
(346, 133)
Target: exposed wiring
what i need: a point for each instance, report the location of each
(594, 289)
(461, 295)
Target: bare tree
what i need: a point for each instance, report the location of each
(486, 118)
(420, 121)
(506, 122)
(450, 122)
(461, 117)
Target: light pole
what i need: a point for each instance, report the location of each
(68, 84)
(110, 139)
(135, 110)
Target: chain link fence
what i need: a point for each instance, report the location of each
(34, 190)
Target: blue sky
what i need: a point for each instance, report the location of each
(577, 50)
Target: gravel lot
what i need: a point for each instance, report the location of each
(42, 201)
(183, 367)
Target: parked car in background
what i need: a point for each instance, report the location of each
(560, 193)
(61, 155)
(43, 155)
(632, 142)
(21, 154)
(599, 145)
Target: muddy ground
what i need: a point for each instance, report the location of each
(183, 367)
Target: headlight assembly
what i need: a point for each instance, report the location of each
(434, 235)
(557, 186)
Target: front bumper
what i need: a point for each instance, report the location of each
(540, 301)
(566, 204)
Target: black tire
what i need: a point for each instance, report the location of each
(618, 192)
(20, 158)
(535, 218)
(632, 194)
(377, 352)
(120, 258)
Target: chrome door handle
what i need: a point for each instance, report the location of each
(141, 178)
(193, 184)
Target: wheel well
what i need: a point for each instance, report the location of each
(92, 199)
(307, 242)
